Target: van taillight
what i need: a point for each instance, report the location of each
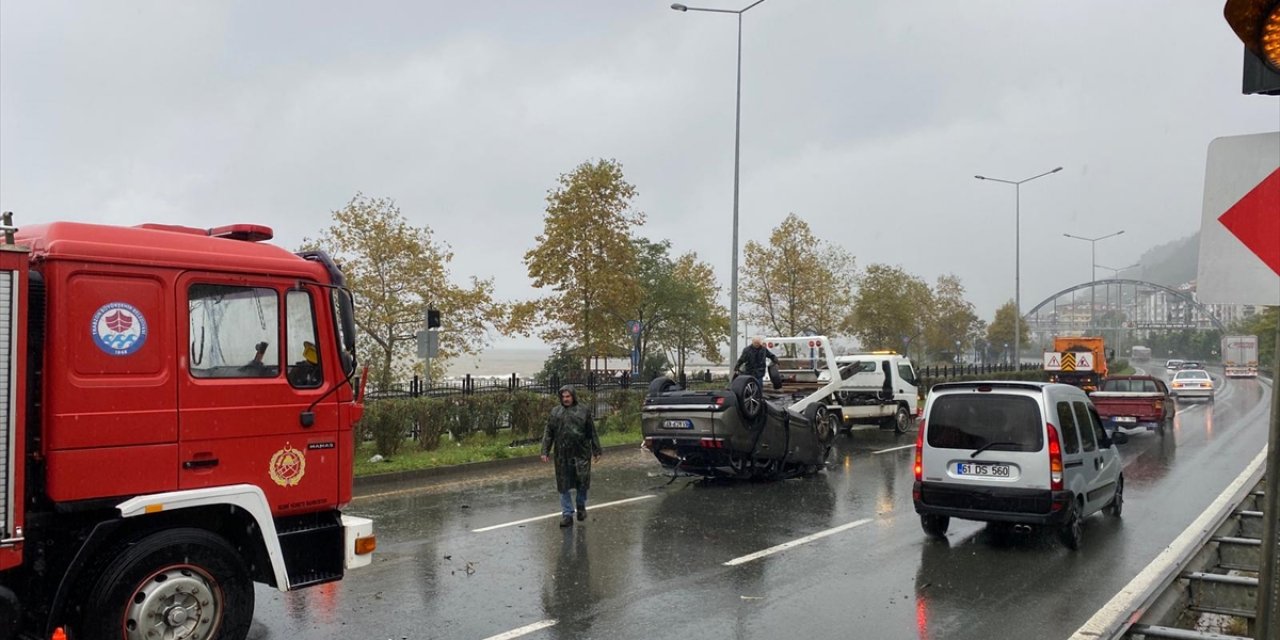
(1055, 459)
(919, 452)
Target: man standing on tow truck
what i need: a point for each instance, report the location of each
(753, 359)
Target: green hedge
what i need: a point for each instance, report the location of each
(389, 423)
(529, 413)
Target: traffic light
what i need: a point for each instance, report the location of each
(1257, 23)
(433, 319)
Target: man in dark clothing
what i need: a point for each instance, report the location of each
(572, 433)
(753, 359)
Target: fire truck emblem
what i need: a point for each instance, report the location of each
(287, 467)
(119, 329)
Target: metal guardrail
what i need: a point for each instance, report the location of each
(1206, 581)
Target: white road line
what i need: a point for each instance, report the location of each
(905, 446)
(795, 543)
(557, 514)
(525, 630)
(1112, 615)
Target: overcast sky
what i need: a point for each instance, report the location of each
(867, 119)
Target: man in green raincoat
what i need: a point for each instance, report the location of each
(572, 433)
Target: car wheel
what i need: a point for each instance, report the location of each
(934, 525)
(750, 401)
(837, 423)
(819, 420)
(661, 385)
(1116, 506)
(1071, 532)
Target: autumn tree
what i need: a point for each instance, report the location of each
(891, 309)
(796, 283)
(396, 271)
(586, 256)
(951, 318)
(677, 308)
(697, 324)
(1000, 332)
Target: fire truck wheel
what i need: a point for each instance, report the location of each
(182, 583)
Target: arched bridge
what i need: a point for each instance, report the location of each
(1121, 305)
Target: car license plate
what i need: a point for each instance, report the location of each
(1125, 419)
(677, 424)
(985, 470)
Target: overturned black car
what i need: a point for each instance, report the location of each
(744, 432)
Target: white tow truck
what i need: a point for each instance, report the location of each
(878, 387)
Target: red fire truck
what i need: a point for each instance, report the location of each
(175, 424)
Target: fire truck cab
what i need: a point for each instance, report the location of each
(176, 408)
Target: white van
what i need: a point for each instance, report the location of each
(1023, 453)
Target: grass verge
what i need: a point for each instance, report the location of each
(475, 448)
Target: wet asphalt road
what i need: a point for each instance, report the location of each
(654, 567)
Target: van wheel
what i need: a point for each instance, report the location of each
(750, 398)
(934, 525)
(1117, 503)
(1071, 532)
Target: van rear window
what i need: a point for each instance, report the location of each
(976, 420)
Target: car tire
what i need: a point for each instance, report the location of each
(1071, 531)
(819, 420)
(661, 385)
(1116, 506)
(775, 378)
(750, 397)
(934, 525)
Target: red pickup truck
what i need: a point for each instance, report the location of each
(1134, 401)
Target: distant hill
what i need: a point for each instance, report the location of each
(1172, 263)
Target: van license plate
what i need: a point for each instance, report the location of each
(989, 470)
(1126, 419)
(677, 424)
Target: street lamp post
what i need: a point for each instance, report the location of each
(737, 148)
(1017, 256)
(1117, 328)
(1093, 269)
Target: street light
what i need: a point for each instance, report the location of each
(1017, 256)
(1115, 273)
(1093, 270)
(737, 147)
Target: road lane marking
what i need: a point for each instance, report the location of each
(795, 543)
(905, 446)
(525, 630)
(557, 514)
(1115, 615)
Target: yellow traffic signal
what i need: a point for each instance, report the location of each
(1257, 23)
